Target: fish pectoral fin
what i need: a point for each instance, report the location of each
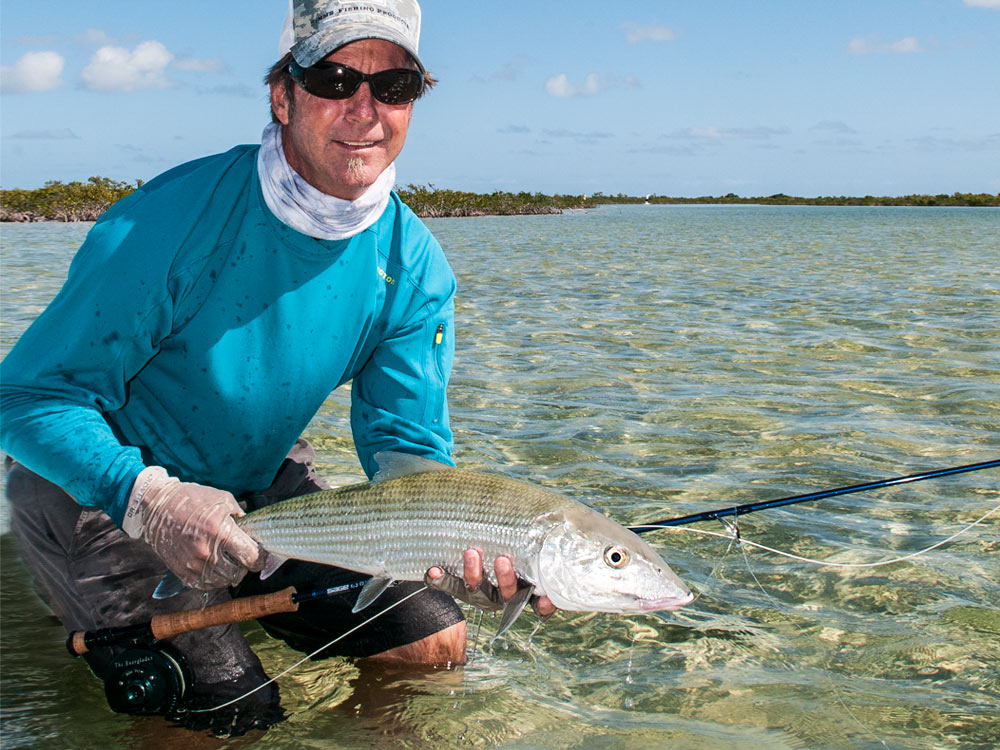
(371, 591)
(170, 585)
(271, 564)
(513, 609)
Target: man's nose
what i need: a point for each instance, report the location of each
(362, 105)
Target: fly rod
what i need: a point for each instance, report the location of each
(224, 613)
(741, 510)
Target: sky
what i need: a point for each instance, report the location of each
(679, 98)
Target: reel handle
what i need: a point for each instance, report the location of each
(175, 623)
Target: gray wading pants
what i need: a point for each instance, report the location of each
(92, 575)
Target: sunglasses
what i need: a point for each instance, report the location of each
(330, 80)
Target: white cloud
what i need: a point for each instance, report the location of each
(859, 46)
(906, 45)
(634, 33)
(512, 70)
(592, 84)
(576, 135)
(995, 4)
(117, 69)
(201, 65)
(990, 142)
(33, 72)
(240, 90)
(560, 87)
(834, 126)
(60, 134)
(36, 40)
(713, 133)
(94, 37)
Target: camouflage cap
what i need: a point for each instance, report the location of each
(315, 28)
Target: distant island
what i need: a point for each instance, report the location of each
(85, 201)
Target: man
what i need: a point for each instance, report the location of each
(204, 321)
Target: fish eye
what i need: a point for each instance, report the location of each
(616, 557)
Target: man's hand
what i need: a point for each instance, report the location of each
(192, 529)
(479, 591)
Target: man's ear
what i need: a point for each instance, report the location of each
(281, 104)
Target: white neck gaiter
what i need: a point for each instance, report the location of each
(304, 208)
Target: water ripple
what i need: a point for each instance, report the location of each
(653, 361)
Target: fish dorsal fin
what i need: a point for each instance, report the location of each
(371, 591)
(393, 465)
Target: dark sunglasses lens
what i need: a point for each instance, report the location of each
(331, 83)
(397, 86)
(400, 86)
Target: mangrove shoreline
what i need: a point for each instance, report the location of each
(86, 201)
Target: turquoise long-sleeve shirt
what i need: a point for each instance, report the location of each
(197, 332)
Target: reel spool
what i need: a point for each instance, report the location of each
(147, 680)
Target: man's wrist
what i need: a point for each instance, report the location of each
(149, 478)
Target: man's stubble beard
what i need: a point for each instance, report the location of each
(356, 168)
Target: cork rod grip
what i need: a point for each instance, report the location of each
(237, 610)
(77, 643)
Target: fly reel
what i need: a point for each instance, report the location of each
(147, 680)
(150, 676)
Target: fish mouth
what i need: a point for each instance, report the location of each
(668, 603)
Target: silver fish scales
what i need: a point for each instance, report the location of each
(418, 513)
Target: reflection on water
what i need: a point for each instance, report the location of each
(653, 361)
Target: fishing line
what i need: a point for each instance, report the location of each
(735, 536)
(827, 563)
(719, 563)
(307, 657)
(478, 616)
(840, 700)
(737, 539)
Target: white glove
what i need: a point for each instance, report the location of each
(191, 528)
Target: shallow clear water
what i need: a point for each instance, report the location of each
(656, 361)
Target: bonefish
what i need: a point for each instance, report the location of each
(417, 513)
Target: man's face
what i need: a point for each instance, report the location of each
(340, 146)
